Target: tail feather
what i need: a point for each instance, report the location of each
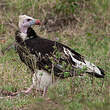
(94, 70)
(97, 75)
(90, 67)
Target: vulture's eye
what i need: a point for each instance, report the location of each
(28, 19)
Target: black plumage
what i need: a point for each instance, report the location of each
(43, 49)
(48, 55)
(47, 58)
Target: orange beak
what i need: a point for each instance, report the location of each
(37, 22)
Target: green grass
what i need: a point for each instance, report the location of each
(89, 36)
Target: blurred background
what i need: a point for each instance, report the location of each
(83, 25)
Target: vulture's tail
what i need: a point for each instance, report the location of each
(79, 62)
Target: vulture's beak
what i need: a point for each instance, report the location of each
(37, 22)
(34, 22)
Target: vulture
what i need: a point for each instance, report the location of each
(47, 59)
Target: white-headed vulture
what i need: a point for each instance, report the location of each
(47, 58)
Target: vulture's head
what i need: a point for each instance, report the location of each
(25, 22)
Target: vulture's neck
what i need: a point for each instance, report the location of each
(21, 37)
(31, 33)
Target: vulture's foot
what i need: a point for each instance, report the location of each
(29, 90)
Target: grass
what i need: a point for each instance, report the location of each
(89, 36)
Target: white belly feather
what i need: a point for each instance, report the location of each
(42, 80)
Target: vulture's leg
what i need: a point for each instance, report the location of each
(44, 91)
(31, 87)
(28, 90)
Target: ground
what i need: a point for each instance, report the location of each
(85, 27)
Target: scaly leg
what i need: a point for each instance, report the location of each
(32, 86)
(28, 90)
(44, 91)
